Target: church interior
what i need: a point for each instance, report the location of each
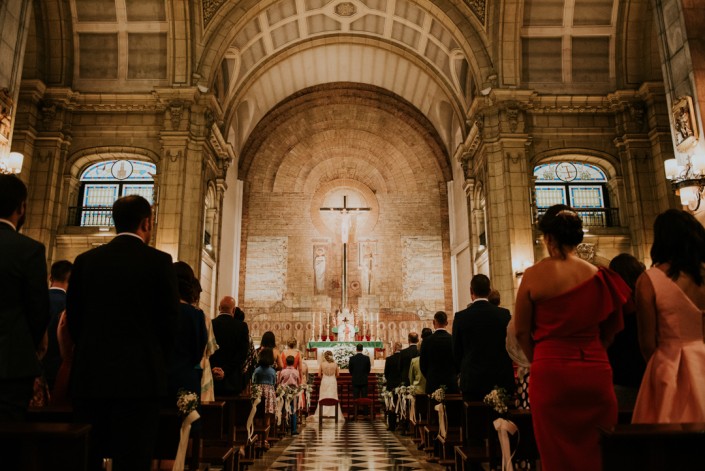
(337, 162)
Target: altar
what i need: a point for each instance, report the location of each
(368, 347)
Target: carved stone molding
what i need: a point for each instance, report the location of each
(586, 251)
(345, 9)
(176, 111)
(478, 7)
(5, 115)
(210, 8)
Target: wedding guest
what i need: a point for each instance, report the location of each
(392, 373)
(266, 377)
(416, 378)
(122, 307)
(289, 376)
(479, 336)
(270, 341)
(207, 388)
(567, 310)
(670, 302)
(251, 359)
(436, 358)
(58, 283)
(24, 311)
(408, 354)
(233, 338)
(628, 364)
(291, 350)
(191, 336)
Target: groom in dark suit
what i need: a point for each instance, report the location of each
(24, 307)
(359, 367)
(479, 336)
(121, 310)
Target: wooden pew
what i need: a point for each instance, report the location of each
(46, 446)
(480, 444)
(526, 449)
(455, 416)
(218, 446)
(235, 425)
(652, 447)
(421, 419)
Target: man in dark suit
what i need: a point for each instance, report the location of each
(59, 282)
(436, 359)
(406, 355)
(359, 367)
(392, 373)
(121, 311)
(232, 336)
(479, 336)
(24, 308)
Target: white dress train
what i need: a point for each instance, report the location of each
(328, 390)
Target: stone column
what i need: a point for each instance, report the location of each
(510, 238)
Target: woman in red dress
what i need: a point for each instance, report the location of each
(567, 311)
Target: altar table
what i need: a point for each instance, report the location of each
(367, 347)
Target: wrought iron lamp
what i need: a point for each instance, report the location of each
(11, 163)
(687, 176)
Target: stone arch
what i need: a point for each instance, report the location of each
(84, 157)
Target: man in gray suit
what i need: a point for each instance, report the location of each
(24, 310)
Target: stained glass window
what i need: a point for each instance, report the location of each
(104, 182)
(585, 172)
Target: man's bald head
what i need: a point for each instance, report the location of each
(227, 305)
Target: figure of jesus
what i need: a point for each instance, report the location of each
(319, 266)
(346, 331)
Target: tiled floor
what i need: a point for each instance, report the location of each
(349, 446)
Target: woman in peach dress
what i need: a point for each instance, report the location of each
(670, 299)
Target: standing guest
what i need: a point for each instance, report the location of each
(436, 358)
(58, 283)
(233, 337)
(479, 336)
(266, 377)
(567, 310)
(207, 390)
(60, 393)
(417, 379)
(359, 366)
(251, 361)
(289, 376)
(191, 336)
(291, 350)
(670, 301)
(409, 353)
(628, 364)
(392, 373)
(270, 341)
(494, 298)
(122, 308)
(24, 310)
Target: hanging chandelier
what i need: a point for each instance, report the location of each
(11, 163)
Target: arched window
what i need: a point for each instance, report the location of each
(579, 185)
(104, 182)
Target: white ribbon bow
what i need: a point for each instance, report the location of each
(278, 411)
(183, 440)
(250, 420)
(442, 424)
(412, 409)
(504, 429)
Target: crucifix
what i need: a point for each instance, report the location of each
(344, 233)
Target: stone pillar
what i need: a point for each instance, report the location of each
(510, 238)
(182, 183)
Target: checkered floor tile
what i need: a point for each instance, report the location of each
(351, 446)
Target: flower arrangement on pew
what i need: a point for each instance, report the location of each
(498, 399)
(439, 395)
(255, 393)
(256, 398)
(186, 404)
(308, 390)
(388, 397)
(404, 396)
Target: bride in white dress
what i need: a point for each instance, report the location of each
(328, 372)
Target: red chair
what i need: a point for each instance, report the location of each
(327, 402)
(364, 402)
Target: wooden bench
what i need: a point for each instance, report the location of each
(42, 446)
(218, 446)
(480, 442)
(652, 447)
(235, 425)
(526, 449)
(455, 414)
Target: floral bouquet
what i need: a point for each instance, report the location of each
(498, 399)
(186, 403)
(342, 354)
(255, 393)
(439, 394)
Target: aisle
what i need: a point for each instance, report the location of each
(351, 446)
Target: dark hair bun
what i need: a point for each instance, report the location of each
(563, 224)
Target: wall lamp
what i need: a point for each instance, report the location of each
(687, 177)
